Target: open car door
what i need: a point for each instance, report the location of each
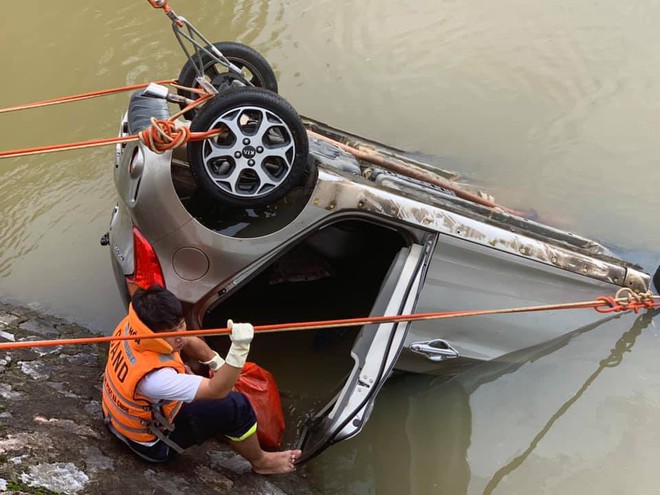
(375, 351)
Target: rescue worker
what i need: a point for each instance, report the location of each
(156, 406)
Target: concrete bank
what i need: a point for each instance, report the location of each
(52, 440)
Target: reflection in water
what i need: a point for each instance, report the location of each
(623, 345)
(425, 434)
(415, 442)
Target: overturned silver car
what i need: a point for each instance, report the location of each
(352, 240)
(278, 218)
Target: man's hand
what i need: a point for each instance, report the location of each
(241, 333)
(241, 336)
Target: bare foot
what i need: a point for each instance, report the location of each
(276, 462)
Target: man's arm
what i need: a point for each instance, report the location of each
(224, 376)
(196, 348)
(226, 372)
(220, 385)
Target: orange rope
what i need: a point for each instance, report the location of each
(614, 306)
(191, 136)
(66, 147)
(162, 4)
(82, 96)
(163, 135)
(646, 301)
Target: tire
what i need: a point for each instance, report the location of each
(261, 153)
(251, 62)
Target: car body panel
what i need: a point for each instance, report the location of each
(517, 267)
(468, 276)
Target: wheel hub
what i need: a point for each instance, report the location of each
(226, 81)
(249, 152)
(255, 154)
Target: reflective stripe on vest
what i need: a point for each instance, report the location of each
(131, 414)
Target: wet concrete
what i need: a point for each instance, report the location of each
(52, 439)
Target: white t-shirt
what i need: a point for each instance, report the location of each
(167, 384)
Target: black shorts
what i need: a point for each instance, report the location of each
(200, 420)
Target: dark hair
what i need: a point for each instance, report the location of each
(157, 308)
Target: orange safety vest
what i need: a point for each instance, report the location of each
(127, 412)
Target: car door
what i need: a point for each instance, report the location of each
(375, 352)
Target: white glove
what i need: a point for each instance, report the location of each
(241, 336)
(215, 362)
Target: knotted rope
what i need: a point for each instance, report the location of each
(164, 135)
(626, 299)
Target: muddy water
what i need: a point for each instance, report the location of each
(551, 105)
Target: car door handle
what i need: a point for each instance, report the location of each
(434, 350)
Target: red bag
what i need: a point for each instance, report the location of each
(260, 388)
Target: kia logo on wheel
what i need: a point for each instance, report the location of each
(249, 152)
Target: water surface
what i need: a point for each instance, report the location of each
(550, 105)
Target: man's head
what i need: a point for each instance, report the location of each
(161, 311)
(158, 308)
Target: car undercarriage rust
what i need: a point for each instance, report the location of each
(338, 193)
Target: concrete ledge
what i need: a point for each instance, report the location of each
(52, 439)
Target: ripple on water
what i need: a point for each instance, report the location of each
(45, 194)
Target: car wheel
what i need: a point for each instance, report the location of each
(260, 154)
(254, 68)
